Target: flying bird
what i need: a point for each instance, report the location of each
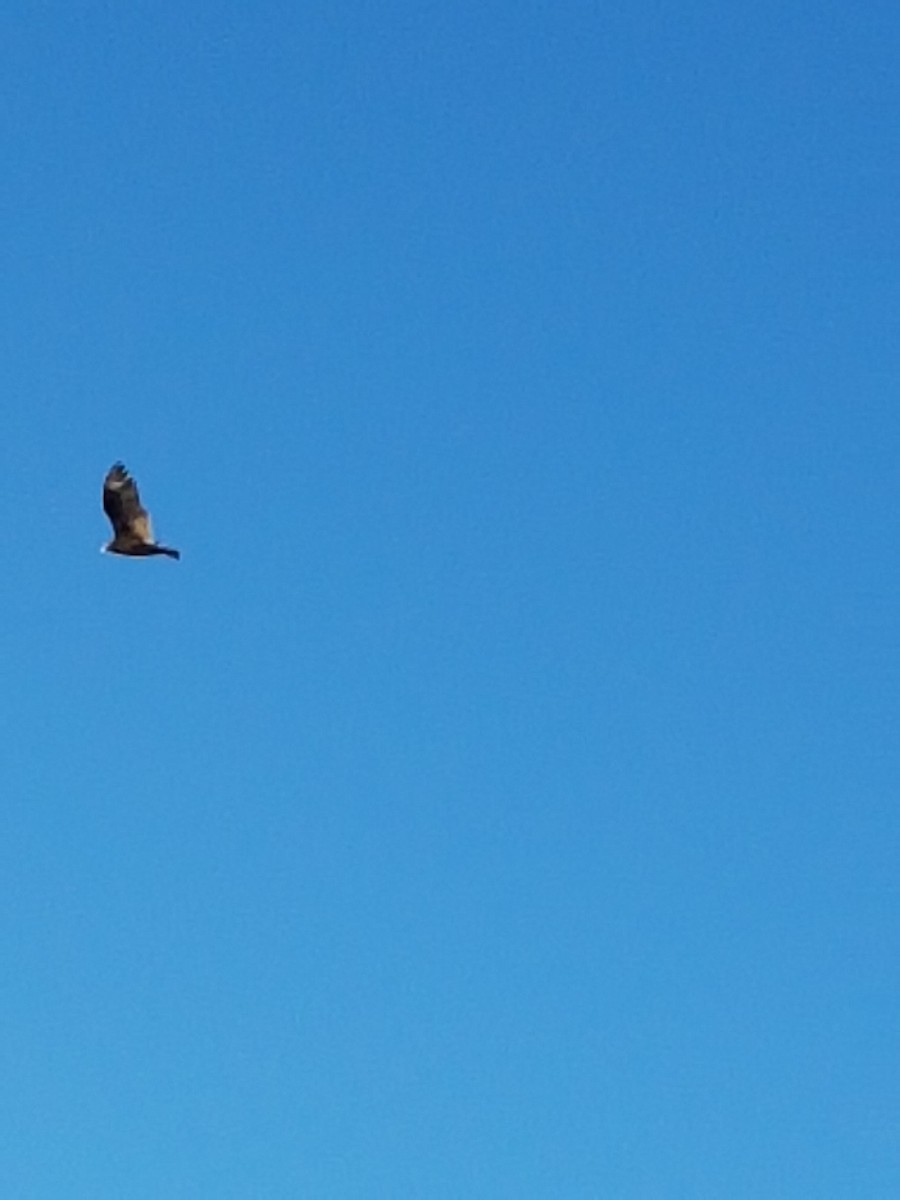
(130, 521)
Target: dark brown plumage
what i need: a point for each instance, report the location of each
(133, 534)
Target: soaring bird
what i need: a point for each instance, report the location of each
(130, 522)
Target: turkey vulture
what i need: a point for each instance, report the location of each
(130, 522)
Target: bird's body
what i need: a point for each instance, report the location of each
(132, 532)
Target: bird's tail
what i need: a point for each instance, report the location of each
(167, 550)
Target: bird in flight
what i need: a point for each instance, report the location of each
(131, 523)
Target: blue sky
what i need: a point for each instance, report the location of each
(499, 799)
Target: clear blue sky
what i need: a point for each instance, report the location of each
(500, 798)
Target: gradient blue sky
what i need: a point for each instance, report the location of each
(500, 798)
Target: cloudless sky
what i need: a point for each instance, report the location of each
(500, 798)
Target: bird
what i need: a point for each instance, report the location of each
(130, 521)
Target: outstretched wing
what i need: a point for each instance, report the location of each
(122, 505)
